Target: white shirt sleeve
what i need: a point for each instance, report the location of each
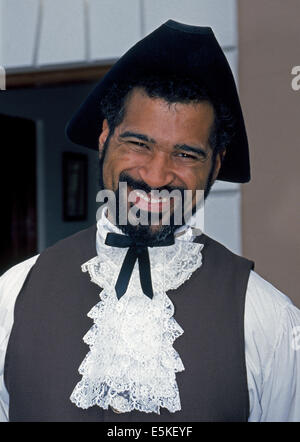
(10, 285)
(272, 344)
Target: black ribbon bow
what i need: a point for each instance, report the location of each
(137, 251)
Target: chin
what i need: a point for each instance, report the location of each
(149, 232)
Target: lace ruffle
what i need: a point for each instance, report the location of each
(132, 364)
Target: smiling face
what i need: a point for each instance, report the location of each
(159, 145)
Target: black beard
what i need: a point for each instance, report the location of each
(144, 234)
(140, 232)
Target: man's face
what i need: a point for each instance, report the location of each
(158, 146)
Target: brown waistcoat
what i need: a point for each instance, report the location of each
(46, 347)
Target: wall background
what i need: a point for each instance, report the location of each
(269, 46)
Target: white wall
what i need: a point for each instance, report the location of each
(18, 31)
(219, 14)
(222, 215)
(64, 22)
(75, 31)
(114, 27)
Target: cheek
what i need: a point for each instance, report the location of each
(113, 165)
(108, 177)
(194, 179)
(201, 181)
(202, 175)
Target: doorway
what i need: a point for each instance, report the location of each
(18, 233)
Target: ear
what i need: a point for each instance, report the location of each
(103, 136)
(219, 161)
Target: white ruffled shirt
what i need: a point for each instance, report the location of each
(132, 364)
(120, 373)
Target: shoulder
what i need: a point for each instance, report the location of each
(16, 274)
(266, 305)
(77, 246)
(217, 253)
(13, 279)
(264, 291)
(11, 283)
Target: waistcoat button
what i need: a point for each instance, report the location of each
(115, 411)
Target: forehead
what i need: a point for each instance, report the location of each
(161, 120)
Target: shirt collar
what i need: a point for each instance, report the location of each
(187, 232)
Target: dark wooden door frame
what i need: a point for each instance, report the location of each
(54, 76)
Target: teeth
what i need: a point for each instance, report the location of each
(151, 199)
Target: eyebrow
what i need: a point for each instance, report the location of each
(197, 150)
(184, 147)
(129, 134)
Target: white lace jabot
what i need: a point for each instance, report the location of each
(132, 364)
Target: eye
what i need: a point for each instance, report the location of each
(187, 156)
(139, 144)
(191, 158)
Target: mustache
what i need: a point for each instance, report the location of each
(141, 185)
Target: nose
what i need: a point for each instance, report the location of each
(157, 172)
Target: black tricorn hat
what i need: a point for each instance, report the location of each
(184, 50)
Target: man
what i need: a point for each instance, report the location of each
(184, 330)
